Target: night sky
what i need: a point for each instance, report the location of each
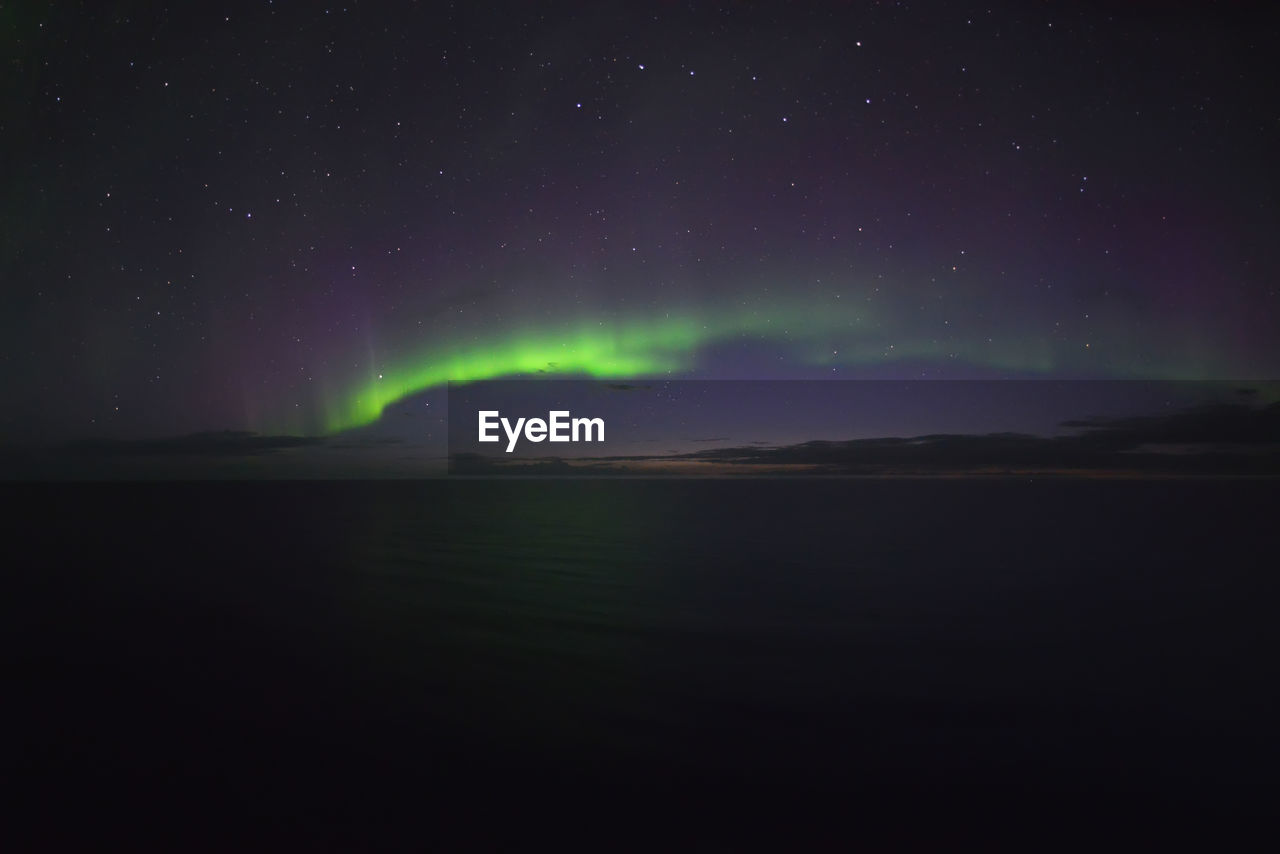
(280, 217)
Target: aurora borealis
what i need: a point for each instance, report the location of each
(282, 219)
(819, 343)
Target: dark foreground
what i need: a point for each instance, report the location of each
(670, 664)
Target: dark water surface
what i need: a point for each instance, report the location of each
(711, 659)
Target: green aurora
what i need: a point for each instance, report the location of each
(670, 344)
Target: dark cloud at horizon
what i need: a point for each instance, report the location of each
(206, 444)
(1234, 437)
(1214, 439)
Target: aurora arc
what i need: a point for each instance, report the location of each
(670, 343)
(633, 348)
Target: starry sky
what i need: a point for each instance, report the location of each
(284, 217)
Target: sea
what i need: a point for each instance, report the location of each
(792, 664)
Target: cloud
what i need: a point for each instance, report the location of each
(1224, 423)
(362, 444)
(1219, 439)
(227, 443)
